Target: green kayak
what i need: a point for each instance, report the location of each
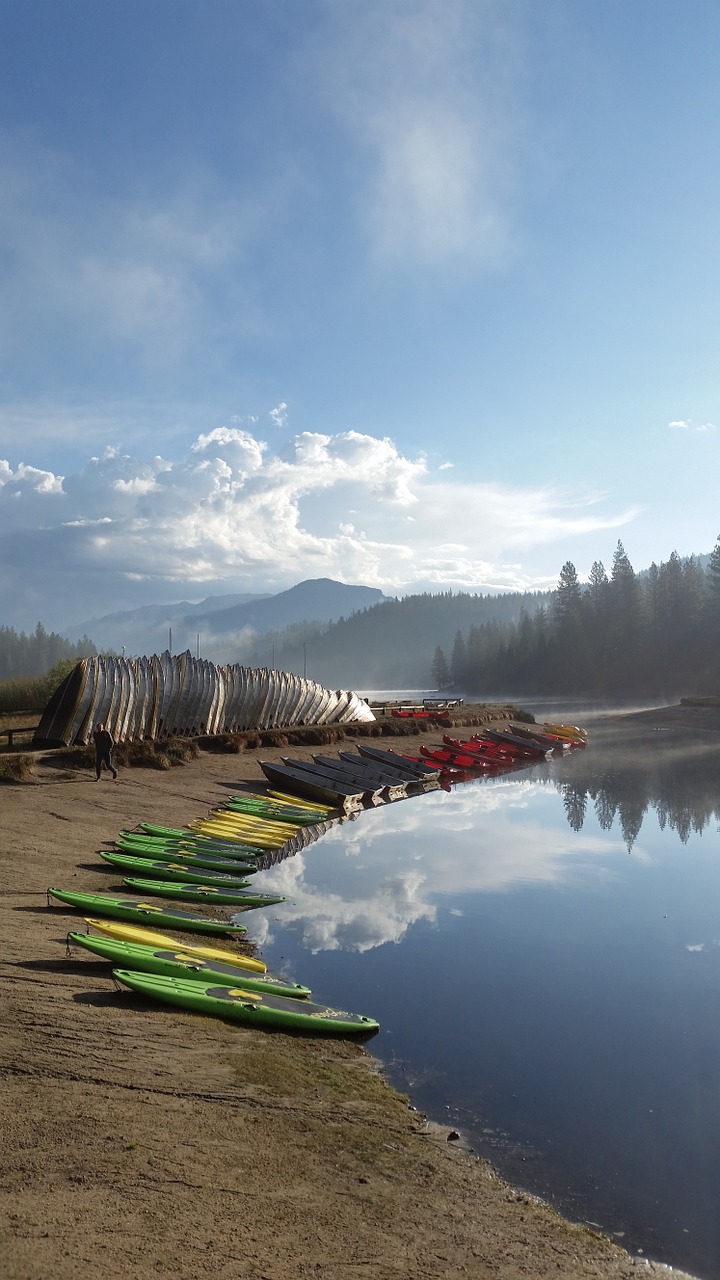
(273, 809)
(183, 834)
(201, 893)
(215, 848)
(138, 849)
(182, 964)
(100, 904)
(243, 1005)
(173, 871)
(231, 866)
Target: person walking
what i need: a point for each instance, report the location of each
(104, 744)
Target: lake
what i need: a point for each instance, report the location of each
(542, 951)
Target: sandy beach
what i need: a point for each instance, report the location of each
(145, 1142)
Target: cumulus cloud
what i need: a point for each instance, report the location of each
(234, 515)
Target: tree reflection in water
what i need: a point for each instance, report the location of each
(626, 771)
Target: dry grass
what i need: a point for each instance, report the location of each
(16, 768)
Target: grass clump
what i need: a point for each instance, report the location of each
(16, 768)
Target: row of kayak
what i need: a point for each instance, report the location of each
(352, 780)
(171, 862)
(369, 776)
(213, 860)
(494, 751)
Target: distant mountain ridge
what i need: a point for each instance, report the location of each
(315, 600)
(219, 620)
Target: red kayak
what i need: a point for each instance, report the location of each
(485, 748)
(468, 761)
(434, 717)
(513, 743)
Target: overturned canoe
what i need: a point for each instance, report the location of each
(301, 784)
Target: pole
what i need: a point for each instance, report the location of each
(170, 639)
(304, 659)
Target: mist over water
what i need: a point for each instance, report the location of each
(542, 951)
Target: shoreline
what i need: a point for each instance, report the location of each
(148, 1142)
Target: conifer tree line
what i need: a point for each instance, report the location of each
(24, 655)
(621, 633)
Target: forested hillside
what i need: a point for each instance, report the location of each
(658, 634)
(24, 655)
(653, 633)
(389, 645)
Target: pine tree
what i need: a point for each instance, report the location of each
(458, 660)
(712, 572)
(625, 642)
(566, 605)
(439, 669)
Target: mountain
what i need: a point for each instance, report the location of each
(315, 600)
(215, 624)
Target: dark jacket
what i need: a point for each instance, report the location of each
(104, 742)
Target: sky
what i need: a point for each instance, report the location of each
(418, 294)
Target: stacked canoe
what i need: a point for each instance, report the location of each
(164, 695)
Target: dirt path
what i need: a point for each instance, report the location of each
(140, 1142)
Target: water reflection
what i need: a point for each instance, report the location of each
(536, 986)
(367, 885)
(680, 781)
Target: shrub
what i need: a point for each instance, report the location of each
(16, 768)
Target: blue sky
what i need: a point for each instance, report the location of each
(407, 294)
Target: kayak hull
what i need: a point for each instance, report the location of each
(181, 963)
(127, 932)
(245, 1006)
(201, 893)
(172, 871)
(143, 912)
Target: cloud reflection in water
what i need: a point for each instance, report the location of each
(366, 883)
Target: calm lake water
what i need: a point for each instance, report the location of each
(542, 951)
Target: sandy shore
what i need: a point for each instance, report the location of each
(141, 1142)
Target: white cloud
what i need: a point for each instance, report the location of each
(279, 415)
(155, 271)
(232, 514)
(684, 424)
(428, 92)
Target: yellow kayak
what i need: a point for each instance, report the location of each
(571, 731)
(249, 822)
(299, 803)
(147, 937)
(260, 839)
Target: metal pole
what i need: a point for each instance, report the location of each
(304, 659)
